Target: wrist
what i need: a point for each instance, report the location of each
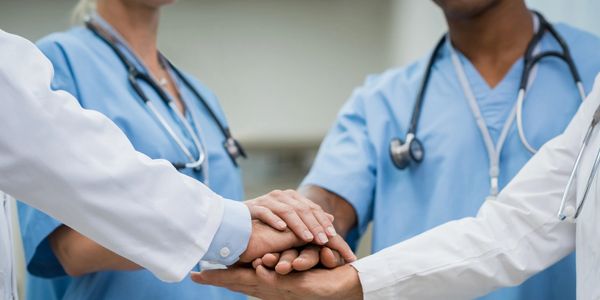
(350, 287)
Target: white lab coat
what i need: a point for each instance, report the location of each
(78, 167)
(511, 238)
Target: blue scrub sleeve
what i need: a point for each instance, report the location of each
(233, 235)
(35, 229)
(35, 225)
(345, 164)
(63, 76)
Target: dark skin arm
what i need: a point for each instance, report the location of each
(344, 214)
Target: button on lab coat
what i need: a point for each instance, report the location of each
(510, 239)
(78, 167)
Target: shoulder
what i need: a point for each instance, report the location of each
(585, 50)
(574, 35)
(583, 44)
(393, 84)
(66, 50)
(73, 39)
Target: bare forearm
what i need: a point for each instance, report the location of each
(79, 255)
(345, 216)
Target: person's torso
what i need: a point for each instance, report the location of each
(101, 84)
(453, 179)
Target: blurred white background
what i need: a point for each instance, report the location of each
(282, 68)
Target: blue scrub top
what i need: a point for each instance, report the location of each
(453, 179)
(87, 68)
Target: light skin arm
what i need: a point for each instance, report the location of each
(286, 211)
(79, 255)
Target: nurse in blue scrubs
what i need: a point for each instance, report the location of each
(354, 174)
(87, 67)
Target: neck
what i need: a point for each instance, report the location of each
(137, 23)
(494, 39)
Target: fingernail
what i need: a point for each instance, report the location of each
(308, 236)
(331, 231)
(322, 237)
(281, 224)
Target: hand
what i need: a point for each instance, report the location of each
(306, 259)
(282, 209)
(264, 239)
(339, 283)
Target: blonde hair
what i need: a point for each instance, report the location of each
(82, 10)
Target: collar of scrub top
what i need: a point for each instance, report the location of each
(530, 60)
(135, 64)
(493, 151)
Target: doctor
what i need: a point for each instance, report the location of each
(112, 64)
(512, 238)
(423, 148)
(78, 167)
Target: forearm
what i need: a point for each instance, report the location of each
(79, 255)
(343, 212)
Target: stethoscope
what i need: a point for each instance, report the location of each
(233, 148)
(409, 150)
(571, 213)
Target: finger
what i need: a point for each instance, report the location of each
(330, 259)
(267, 216)
(324, 218)
(225, 278)
(338, 244)
(291, 217)
(266, 276)
(307, 216)
(240, 287)
(284, 266)
(270, 260)
(309, 257)
(257, 262)
(330, 216)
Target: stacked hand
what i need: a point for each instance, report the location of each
(292, 221)
(289, 233)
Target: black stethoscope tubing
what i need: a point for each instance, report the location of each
(403, 152)
(233, 148)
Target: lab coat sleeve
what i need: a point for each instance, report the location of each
(35, 225)
(78, 167)
(511, 238)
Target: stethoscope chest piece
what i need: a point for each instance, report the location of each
(403, 153)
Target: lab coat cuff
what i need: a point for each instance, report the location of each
(231, 239)
(370, 273)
